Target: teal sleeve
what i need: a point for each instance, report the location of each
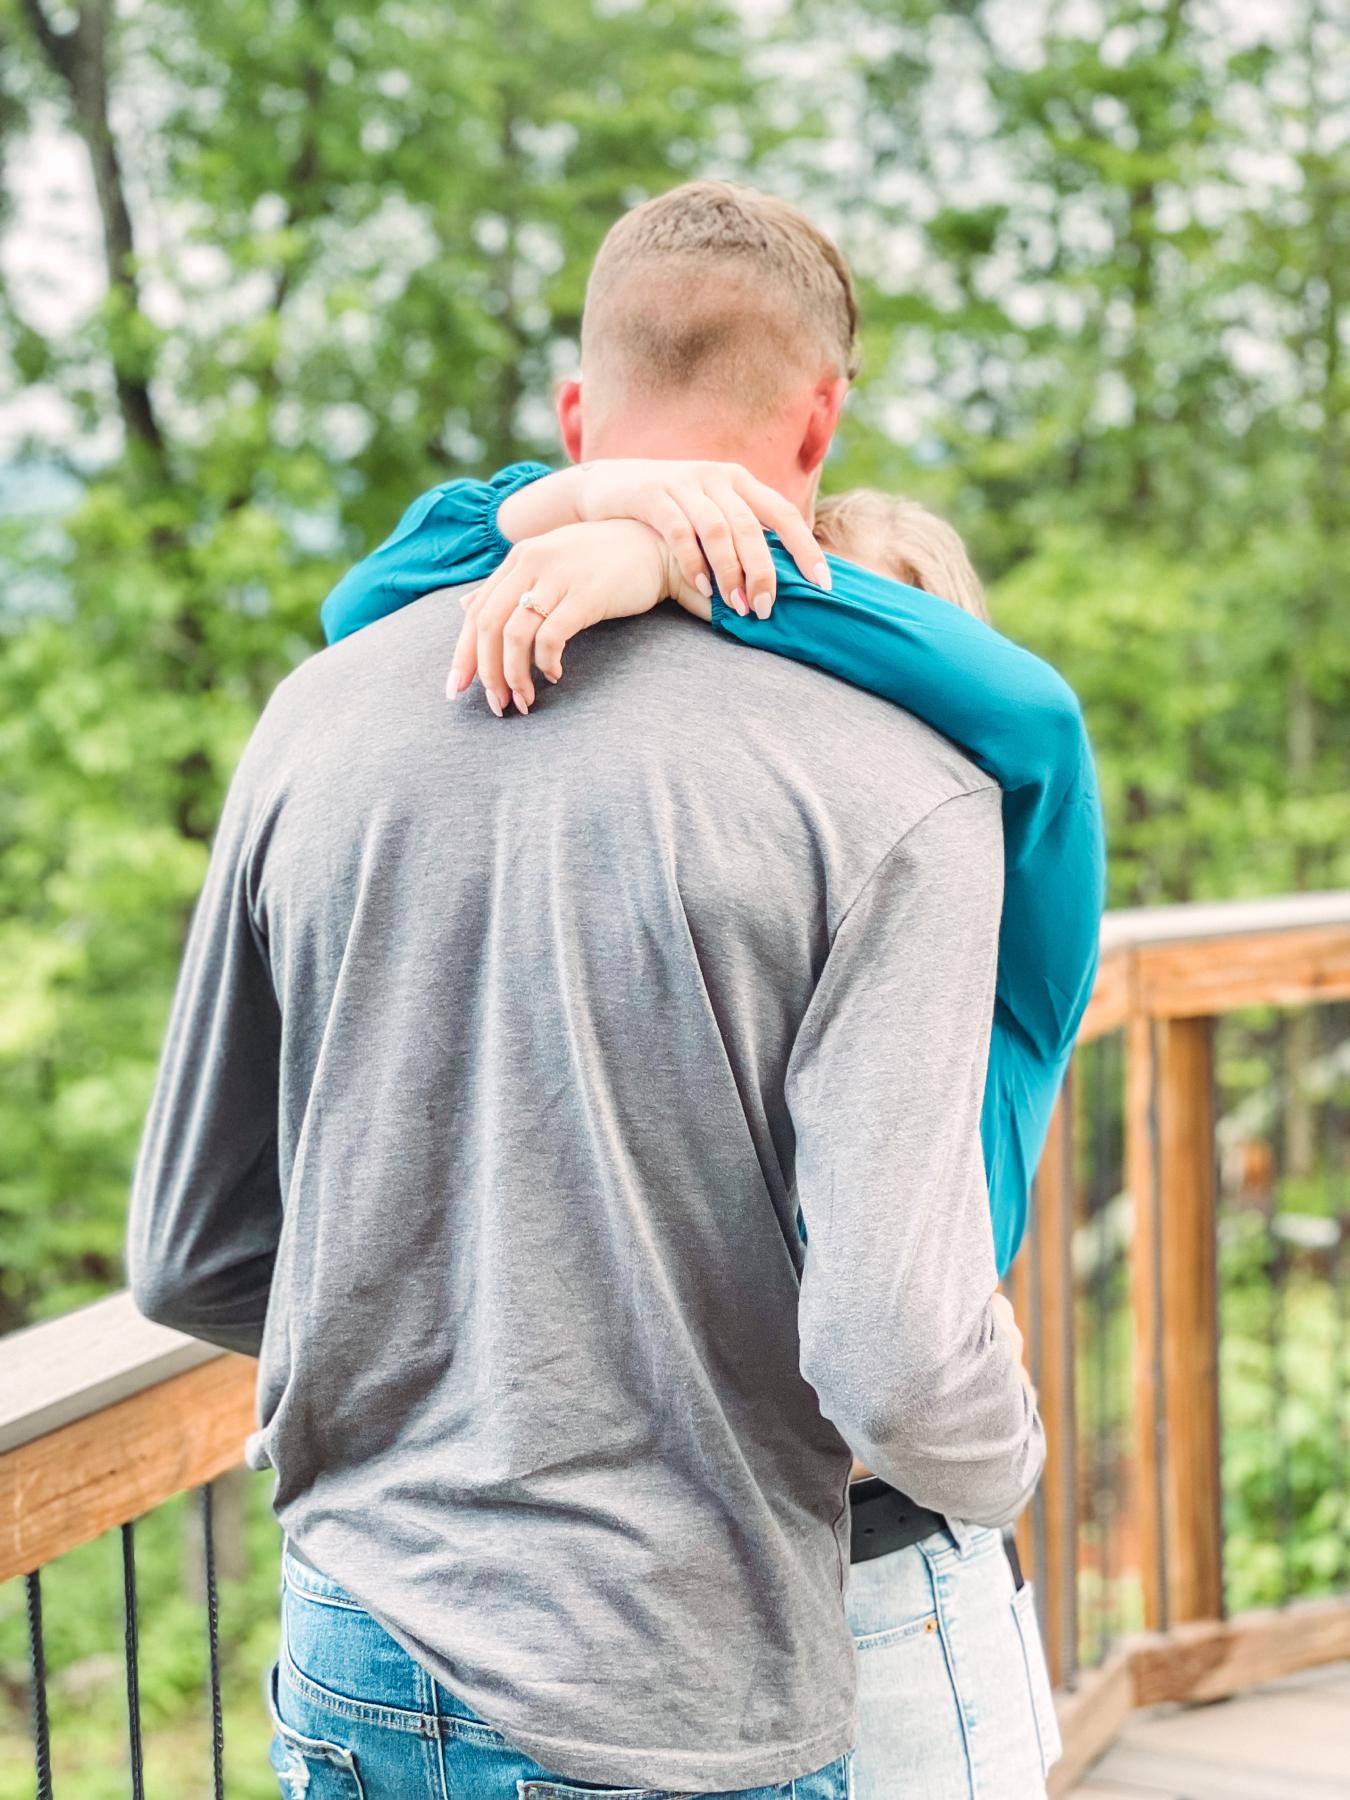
(446, 538)
(1021, 723)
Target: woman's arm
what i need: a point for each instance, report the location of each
(712, 517)
(1015, 717)
(447, 537)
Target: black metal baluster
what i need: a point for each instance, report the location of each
(133, 1660)
(213, 1644)
(42, 1747)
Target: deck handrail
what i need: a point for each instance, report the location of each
(1135, 927)
(64, 1369)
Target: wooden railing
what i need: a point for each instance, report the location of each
(104, 1416)
(1168, 977)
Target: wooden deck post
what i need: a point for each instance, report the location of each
(1170, 1161)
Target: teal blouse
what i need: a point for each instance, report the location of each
(1005, 708)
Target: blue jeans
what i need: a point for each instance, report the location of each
(953, 1697)
(356, 1718)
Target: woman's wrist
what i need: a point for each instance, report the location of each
(544, 505)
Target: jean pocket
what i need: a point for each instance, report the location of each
(310, 1768)
(835, 1782)
(927, 1626)
(302, 1579)
(1038, 1677)
(342, 1658)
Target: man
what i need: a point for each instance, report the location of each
(500, 1069)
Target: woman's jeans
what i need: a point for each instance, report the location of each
(953, 1696)
(356, 1718)
(954, 1701)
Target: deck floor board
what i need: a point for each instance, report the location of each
(1289, 1741)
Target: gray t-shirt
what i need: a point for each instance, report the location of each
(503, 1058)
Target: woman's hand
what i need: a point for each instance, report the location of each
(711, 515)
(547, 590)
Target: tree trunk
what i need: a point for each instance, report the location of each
(79, 58)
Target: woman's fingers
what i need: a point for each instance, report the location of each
(464, 663)
(780, 515)
(498, 627)
(497, 641)
(494, 598)
(756, 559)
(605, 570)
(519, 630)
(572, 615)
(719, 545)
(665, 515)
(510, 637)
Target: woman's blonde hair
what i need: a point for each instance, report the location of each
(902, 539)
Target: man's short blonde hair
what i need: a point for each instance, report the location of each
(902, 539)
(719, 289)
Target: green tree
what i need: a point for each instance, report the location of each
(1105, 270)
(344, 251)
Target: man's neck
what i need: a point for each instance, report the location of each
(770, 461)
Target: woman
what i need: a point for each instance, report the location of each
(944, 1628)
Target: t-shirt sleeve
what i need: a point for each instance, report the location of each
(884, 1087)
(205, 1216)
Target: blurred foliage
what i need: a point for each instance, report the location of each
(346, 246)
(1103, 255)
(373, 225)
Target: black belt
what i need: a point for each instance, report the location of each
(884, 1520)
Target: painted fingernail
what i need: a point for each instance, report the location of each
(738, 602)
(521, 703)
(555, 679)
(704, 586)
(762, 605)
(456, 683)
(822, 577)
(494, 702)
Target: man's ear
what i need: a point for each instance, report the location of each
(826, 405)
(568, 401)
